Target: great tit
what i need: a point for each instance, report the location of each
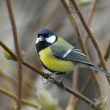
(58, 56)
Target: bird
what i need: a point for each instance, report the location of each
(60, 57)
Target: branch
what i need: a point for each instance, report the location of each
(90, 18)
(107, 52)
(101, 58)
(74, 25)
(37, 71)
(2, 75)
(93, 8)
(84, 87)
(89, 80)
(24, 101)
(72, 104)
(12, 20)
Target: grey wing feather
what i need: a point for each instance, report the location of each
(59, 49)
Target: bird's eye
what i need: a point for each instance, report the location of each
(48, 36)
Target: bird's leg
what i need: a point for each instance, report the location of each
(61, 80)
(61, 74)
(44, 81)
(47, 80)
(50, 78)
(62, 77)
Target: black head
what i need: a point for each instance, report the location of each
(45, 38)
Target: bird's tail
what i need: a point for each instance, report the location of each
(99, 69)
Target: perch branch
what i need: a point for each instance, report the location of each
(37, 71)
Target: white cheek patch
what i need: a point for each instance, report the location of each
(51, 39)
(37, 40)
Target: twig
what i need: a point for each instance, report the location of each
(101, 58)
(77, 94)
(12, 20)
(37, 71)
(84, 87)
(90, 18)
(72, 101)
(5, 77)
(88, 81)
(107, 52)
(24, 101)
(72, 104)
(93, 8)
(25, 63)
(74, 24)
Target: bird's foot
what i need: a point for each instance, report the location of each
(61, 85)
(51, 79)
(60, 82)
(45, 81)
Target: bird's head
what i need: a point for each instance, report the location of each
(45, 38)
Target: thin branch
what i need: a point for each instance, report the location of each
(12, 20)
(74, 25)
(92, 11)
(84, 87)
(24, 101)
(72, 101)
(89, 80)
(5, 77)
(73, 92)
(25, 63)
(90, 18)
(100, 55)
(72, 104)
(107, 52)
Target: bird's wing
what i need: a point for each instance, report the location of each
(66, 51)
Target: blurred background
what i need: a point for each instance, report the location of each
(31, 16)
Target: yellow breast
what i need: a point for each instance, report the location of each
(53, 63)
